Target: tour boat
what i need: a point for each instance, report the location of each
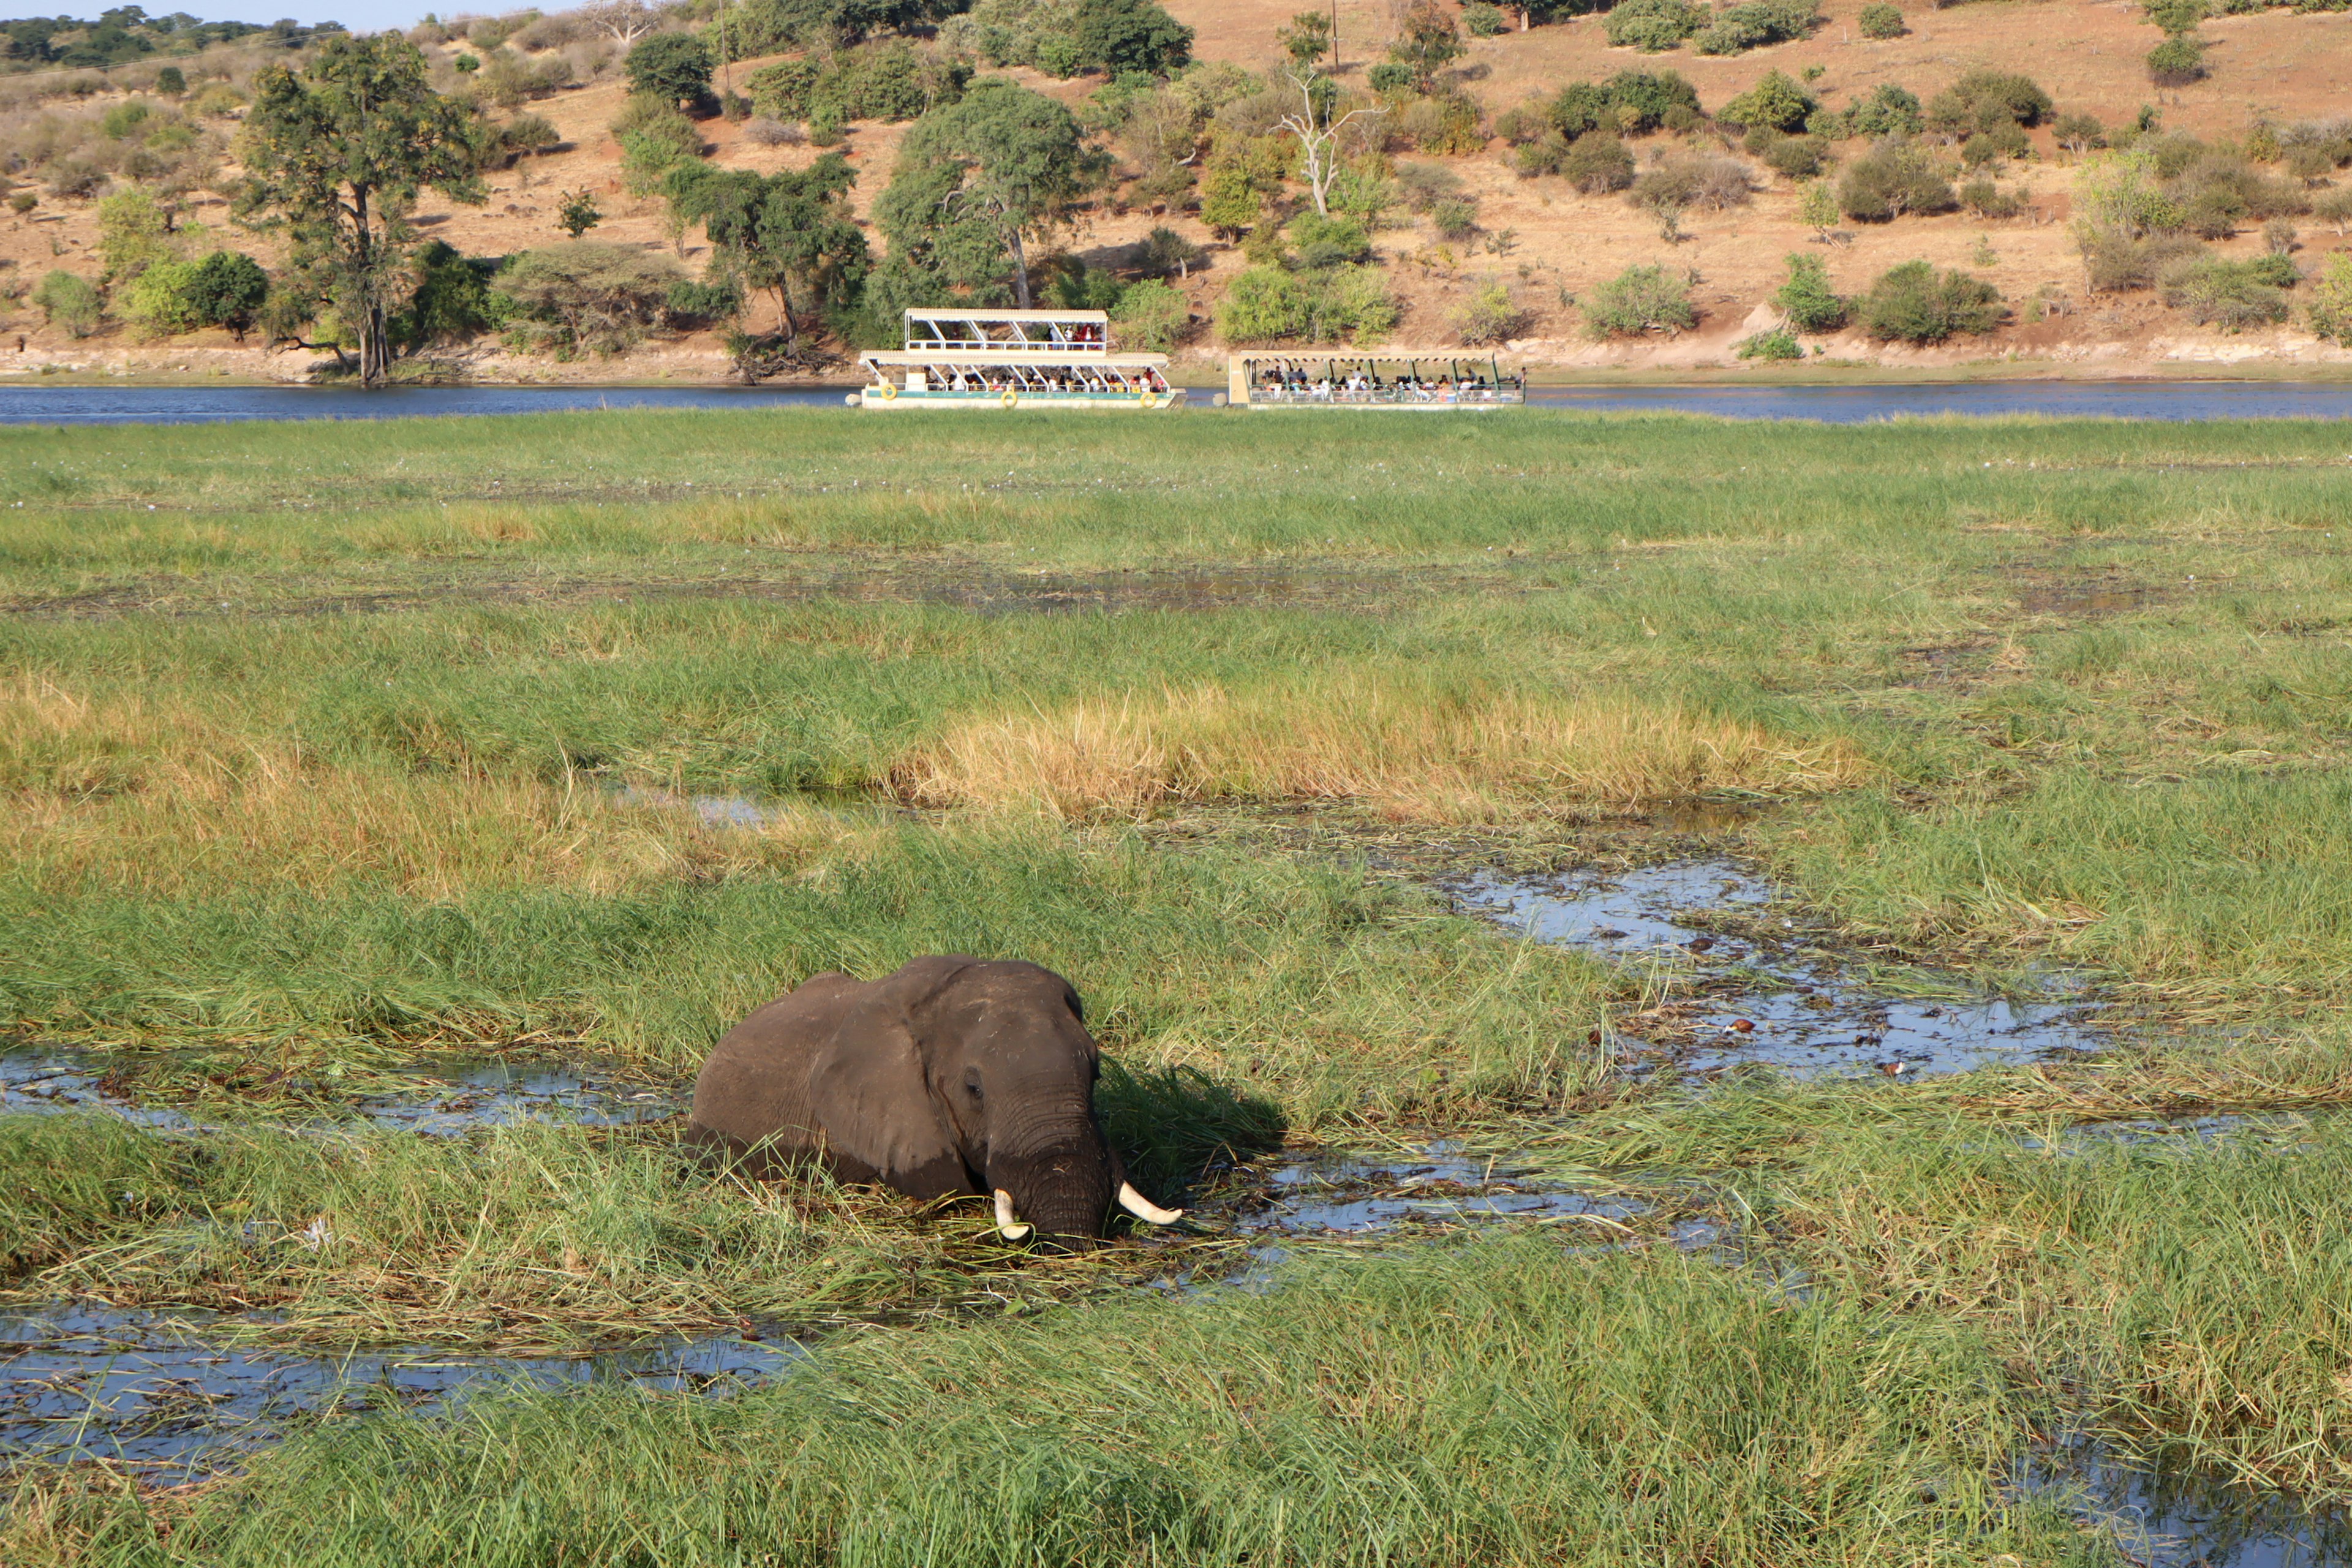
(1388, 378)
(961, 358)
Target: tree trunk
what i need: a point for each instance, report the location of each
(1020, 272)
(374, 345)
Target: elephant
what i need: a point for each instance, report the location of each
(952, 1075)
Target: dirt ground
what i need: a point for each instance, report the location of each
(1543, 240)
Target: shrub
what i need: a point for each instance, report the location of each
(1629, 103)
(2176, 16)
(1652, 25)
(706, 302)
(1389, 79)
(1483, 20)
(1775, 103)
(1797, 157)
(673, 67)
(122, 119)
(1150, 316)
(1780, 343)
(1597, 163)
(229, 289)
(453, 301)
(523, 135)
(22, 201)
(653, 138)
(2335, 209)
(1265, 304)
(2114, 262)
(1914, 304)
(1489, 316)
(1807, 298)
(1989, 146)
(1164, 251)
(1986, 100)
(1454, 219)
(1752, 24)
(1328, 241)
(1445, 124)
(761, 132)
(216, 101)
(583, 295)
(2176, 62)
(1426, 185)
(2080, 133)
(1638, 301)
(1889, 110)
(1982, 196)
(1890, 179)
(1131, 36)
(1880, 20)
(171, 82)
(158, 303)
(1693, 181)
(2331, 299)
(69, 303)
(2231, 295)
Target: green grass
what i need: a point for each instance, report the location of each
(2027, 694)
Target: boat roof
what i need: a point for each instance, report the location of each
(1076, 359)
(965, 313)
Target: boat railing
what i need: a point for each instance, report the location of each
(1386, 395)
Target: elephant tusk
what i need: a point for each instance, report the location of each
(1143, 1208)
(1006, 1225)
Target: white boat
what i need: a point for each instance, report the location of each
(1428, 379)
(961, 358)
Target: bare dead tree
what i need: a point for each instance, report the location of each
(1317, 133)
(623, 21)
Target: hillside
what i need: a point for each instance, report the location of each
(1547, 244)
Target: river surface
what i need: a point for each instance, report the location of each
(2173, 400)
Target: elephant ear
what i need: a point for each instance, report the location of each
(873, 1101)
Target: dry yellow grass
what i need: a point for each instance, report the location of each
(129, 796)
(1416, 753)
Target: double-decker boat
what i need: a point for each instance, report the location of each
(962, 358)
(1391, 378)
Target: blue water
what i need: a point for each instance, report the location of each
(2176, 400)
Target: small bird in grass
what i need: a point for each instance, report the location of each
(1893, 1069)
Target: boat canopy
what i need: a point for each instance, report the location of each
(1012, 331)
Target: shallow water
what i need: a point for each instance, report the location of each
(1354, 1194)
(1801, 1009)
(2184, 1519)
(91, 1383)
(447, 1099)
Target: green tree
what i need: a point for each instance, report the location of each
(1807, 298)
(134, 233)
(1308, 38)
(654, 138)
(1817, 207)
(673, 67)
(1426, 42)
(339, 155)
(791, 233)
(1003, 165)
(171, 82)
(1914, 304)
(229, 289)
(1776, 103)
(159, 301)
(70, 303)
(1132, 35)
(1243, 172)
(578, 212)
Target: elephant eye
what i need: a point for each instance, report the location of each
(971, 1085)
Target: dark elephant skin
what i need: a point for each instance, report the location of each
(953, 1075)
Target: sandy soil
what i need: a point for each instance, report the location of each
(1545, 242)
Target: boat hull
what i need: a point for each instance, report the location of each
(873, 398)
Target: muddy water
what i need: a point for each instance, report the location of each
(1355, 1195)
(1736, 995)
(84, 1383)
(445, 1099)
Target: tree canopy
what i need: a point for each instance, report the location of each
(790, 233)
(339, 154)
(978, 179)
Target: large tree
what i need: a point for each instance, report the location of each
(339, 155)
(791, 233)
(978, 179)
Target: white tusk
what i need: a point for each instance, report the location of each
(1006, 1225)
(1143, 1208)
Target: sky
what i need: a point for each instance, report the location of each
(360, 15)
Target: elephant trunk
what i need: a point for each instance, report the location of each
(1059, 1176)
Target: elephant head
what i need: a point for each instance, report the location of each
(949, 1076)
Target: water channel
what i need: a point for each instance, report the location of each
(31, 404)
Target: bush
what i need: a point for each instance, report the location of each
(1150, 316)
(1880, 20)
(1807, 298)
(1119, 35)
(229, 289)
(1652, 25)
(69, 303)
(2334, 209)
(1775, 103)
(1693, 181)
(706, 302)
(522, 136)
(1914, 304)
(216, 101)
(1483, 20)
(157, 302)
(1445, 124)
(1988, 146)
(2176, 62)
(761, 132)
(1425, 185)
(653, 138)
(1265, 304)
(1890, 179)
(1489, 316)
(2114, 262)
(1454, 219)
(1986, 100)
(122, 119)
(1328, 241)
(673, 67)
(1888, 111)
(1631, 103)
(1777, 345)
(2331, 299)
(583, 295)
(2079, 133)
(1597, 163)
(171, 82)
(1387, 79)
(1797, 157)
(1752, 24)
(1164, 252)
(1984, 198)
(1638, 301)
(2231, 295)
(453, 301)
